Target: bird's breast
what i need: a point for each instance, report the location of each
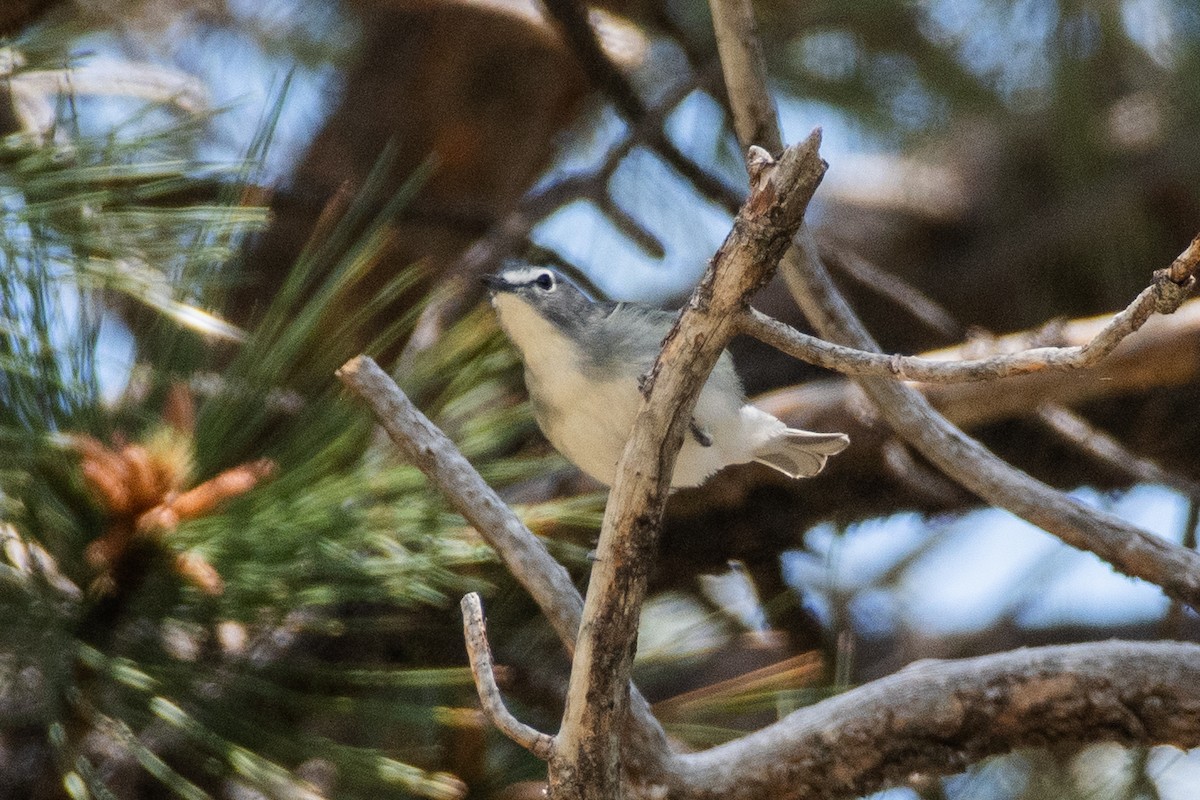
(586, 419)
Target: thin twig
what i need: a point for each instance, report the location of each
(480, 655)
(1164, 296)
(1165, 353)
(708, 186)
(629, 225)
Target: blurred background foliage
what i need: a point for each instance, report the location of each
(217, 581)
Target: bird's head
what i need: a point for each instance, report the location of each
(518, 292)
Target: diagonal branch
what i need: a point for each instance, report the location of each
(1126, 547)
(576, 27)
(586, 760)
(1085, 437)
(427, 448)
(890, 286)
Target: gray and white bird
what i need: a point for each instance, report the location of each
(583, 360)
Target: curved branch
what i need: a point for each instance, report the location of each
(480, 655)
(1126, 547)
(1165, 353)
(940, 716)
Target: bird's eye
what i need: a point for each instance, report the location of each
(544, 281)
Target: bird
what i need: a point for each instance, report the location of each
(583, 364)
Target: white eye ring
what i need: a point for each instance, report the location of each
(545, 281)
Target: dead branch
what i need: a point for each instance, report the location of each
(886, 284)
(604, 74)
(1126, 547)
(1183, 269)
(480, 655)
(744, 67)
(427, 448)
(509, 234)
(1164, 296)
(1166, 352)
(586, 759)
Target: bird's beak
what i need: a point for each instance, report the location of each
(495, 283)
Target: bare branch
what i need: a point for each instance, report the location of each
(546, 580)
(1129, 549)
(940, 716)
(1183, 269)
(878, 280)
(503, 239)
(631, 227)
(1164, 296)
(480, 655)
(919, 477)
(576, 28)
(1126, 547)
(572, 18)
(1166, 352)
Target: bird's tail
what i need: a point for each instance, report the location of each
(801, 454)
